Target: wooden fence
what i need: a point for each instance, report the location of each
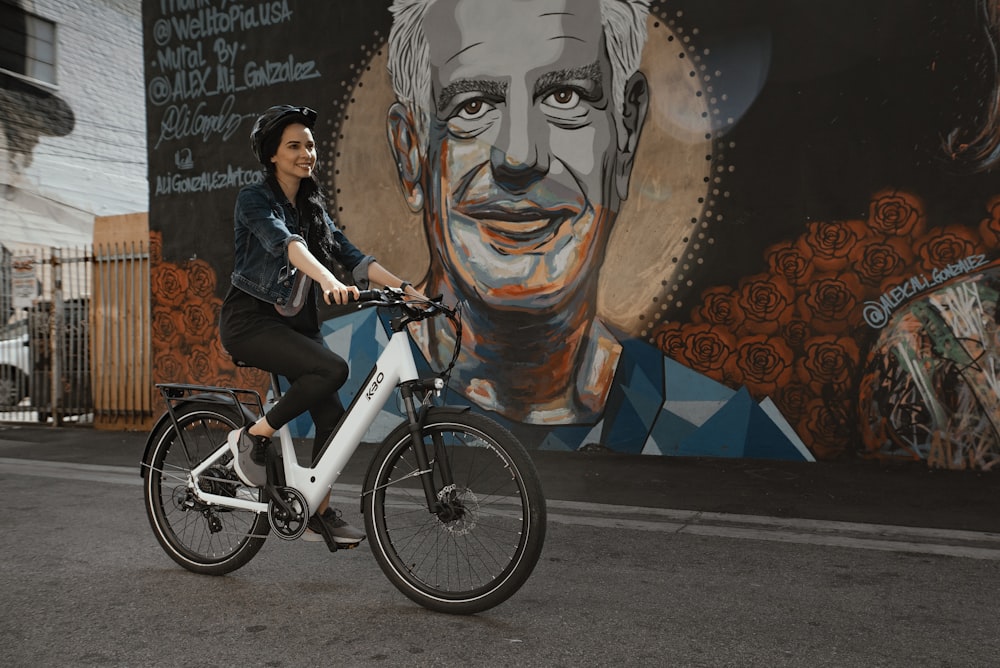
(120, 350)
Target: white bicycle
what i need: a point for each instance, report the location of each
(452, 504)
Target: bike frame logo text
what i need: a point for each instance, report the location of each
(379, 377)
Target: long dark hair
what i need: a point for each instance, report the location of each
(310, 203)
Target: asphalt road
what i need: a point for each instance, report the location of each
(716, 581)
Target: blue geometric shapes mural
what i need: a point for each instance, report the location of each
(703, 418)
(775, 414)
(656, 406)
(684, 384)
(668, 432)
(690, 399)
(724, 434)
(565, 439)
(635, 398)
(594, 435)
(764, 439)
(359, 338)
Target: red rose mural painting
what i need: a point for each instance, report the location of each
(186, 347)
(797, 333)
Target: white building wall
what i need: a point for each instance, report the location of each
(98, 169)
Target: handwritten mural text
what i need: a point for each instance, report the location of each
(877, 313)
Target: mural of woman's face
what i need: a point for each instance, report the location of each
(519, 180)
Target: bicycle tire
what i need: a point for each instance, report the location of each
(202, 538)
(468, 564)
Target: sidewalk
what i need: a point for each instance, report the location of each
(905, 494)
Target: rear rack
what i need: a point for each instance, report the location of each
(176, 393)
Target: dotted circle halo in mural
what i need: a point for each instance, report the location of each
(657, 228)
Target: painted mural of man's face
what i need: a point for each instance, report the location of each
(527, 161)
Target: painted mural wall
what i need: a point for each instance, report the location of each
(707, 228)
(72, 122)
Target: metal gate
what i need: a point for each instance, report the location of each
(70, 347)
(44, 341)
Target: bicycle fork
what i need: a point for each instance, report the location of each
(438, 501)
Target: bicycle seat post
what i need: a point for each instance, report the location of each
(275, 387)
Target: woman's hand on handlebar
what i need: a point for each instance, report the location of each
(414, 296)
(335, 292)
(411, 292)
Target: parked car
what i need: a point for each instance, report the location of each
(15, 363)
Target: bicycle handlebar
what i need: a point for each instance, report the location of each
(415, 308)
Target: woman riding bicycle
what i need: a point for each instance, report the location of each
(285, 247)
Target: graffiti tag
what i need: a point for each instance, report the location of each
(272, 72)
(876, 313)
(207, 181)
(209, 21)
(181, 122)
(187, 74)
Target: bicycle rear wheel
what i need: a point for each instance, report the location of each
(200, 537)
(486, 541)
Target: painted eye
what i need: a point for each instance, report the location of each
(564, 98)
(473, 109)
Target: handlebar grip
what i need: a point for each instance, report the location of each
(368, 296)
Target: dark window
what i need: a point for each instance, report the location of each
(27, 44)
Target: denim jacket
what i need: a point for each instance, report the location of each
(263, 229)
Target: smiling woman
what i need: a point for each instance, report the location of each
(286, 248)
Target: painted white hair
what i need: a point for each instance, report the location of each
(624, 23)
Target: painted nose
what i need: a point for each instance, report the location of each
(514, 176)
(522, 160)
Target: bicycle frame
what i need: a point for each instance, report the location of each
(395, 366)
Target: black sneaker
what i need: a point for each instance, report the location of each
(342, 532)
(248, 456)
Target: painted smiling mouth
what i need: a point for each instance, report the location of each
(518, 230)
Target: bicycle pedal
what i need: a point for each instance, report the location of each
(347, 546)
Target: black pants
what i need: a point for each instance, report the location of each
(314, 371)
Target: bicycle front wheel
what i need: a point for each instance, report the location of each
(486, 537)
(200, 537)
